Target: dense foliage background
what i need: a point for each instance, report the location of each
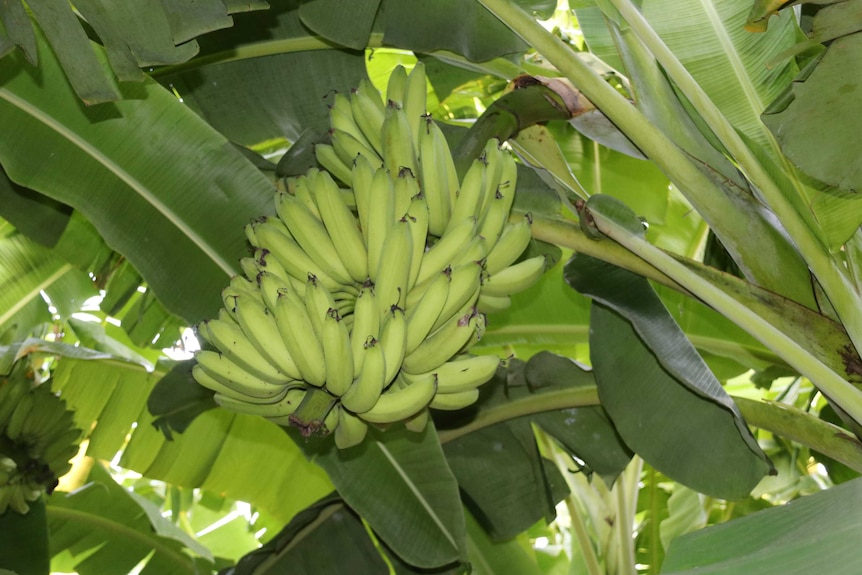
(681, 390)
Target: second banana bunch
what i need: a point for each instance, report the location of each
(360, 304)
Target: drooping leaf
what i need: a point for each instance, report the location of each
(815, 533)
(291, 70)
(106, 528)
(397, 474)
(348, 24)
(133, 169)
(560, 399)
(645, 365)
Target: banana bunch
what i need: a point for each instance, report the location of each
(37, 440)
(359, 304)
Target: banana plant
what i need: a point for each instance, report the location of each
(690, 359)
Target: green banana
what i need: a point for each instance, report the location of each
(438, 178)
(442, 344)
(19, 416)
(464, 286)
(441, 255)
(498, 204)
(328, 158)
(462, 373)
(493, 157)
(283, 406)
(418, 422)
(512, 243)
(469, 198)
(454, 401)
(414, 103)
(13, 390)
(396, 86)
(380, 219)
(228, 373)
(472, 253)
(351, 430)
(366, 389)
(258, 323)
(423, 315)
(297, 331)
(311, 235)
(369, 111)
(366, 327)
(302, 191)
(493, 303)
(235, 345)
(400, 403)
(349, 147)
(393, 340)
(291, 256)
(342, 227)
(362, 176)
(341, 118)
(337, 353)
(397, 142)
(271, 286)
(394, 267)
(417, 219)
(406, 188)
(318, 302)
(514, 278)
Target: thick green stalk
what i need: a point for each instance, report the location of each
(744, 230)
(839, 390)
(829, 272)
(777, 418)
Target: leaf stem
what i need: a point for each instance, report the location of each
(829, 272)
(836, 387)
(778, 418)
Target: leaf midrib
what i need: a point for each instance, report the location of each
(127, 178)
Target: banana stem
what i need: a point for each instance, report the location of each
(626, 491)
(579, 524)
(829, 272)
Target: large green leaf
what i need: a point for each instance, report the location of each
(146, 33)
(108, 531)
(734, 67)
(219, 452)
(395, 475)
(265, 78)
(817, 533)
(666, 404)
(160, 185)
